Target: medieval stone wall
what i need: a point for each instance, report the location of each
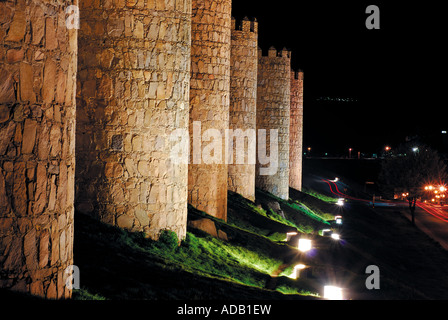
(296, 131)
(209, 105)
(134, 70)
(37, 146)
(243, 106)
(273, 111)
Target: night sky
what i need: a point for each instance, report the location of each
(363, 89)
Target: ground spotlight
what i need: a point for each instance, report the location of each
(297, 269)
(335, 236)
(333, 293)
(304, 245)
(289, 235)
(338, 219)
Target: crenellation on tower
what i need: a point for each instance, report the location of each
(272, 52)
(273, 113)
(243, 105)
(245, 25)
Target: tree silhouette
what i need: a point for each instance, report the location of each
(410, 167)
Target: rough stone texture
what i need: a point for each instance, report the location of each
(38, 57)
(243, 105)
(209, 102)
(273, 111)
(296, 131)
(133, 73)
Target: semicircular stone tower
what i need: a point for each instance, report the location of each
(134, 78)
(209, 105)
(273, 111)
(296, 131)
(37, 147)
(243, 108)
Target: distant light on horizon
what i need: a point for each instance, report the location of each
(337, 99)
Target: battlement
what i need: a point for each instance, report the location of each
(245, 25)
(273, 53)
(297, 75)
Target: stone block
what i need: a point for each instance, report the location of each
(17, 28)
(37, 24)
(113, 170)
(125, 222)
(51, 40)
(49, 81)
(30, 250)
(7, 94)
(14, 55)
(26, 74)
(44, 248)
(205, 225)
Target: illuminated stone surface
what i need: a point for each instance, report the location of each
(37, 147)
(243, 104)
(209, 100)
(134, 76)
(273, 111)
(296, 131)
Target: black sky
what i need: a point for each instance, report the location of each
(391, 72)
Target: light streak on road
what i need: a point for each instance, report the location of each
(339, 193)
(435, 212)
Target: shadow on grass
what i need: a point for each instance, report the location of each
(116, 264)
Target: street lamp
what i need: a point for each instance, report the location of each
(442, 190)
(350, 153)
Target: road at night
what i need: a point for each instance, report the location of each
(431, 219)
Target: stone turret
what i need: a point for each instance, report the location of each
(296, 131)
(134, 71)
(37, 147)
(273, 111)
(209, 105)
(243, 106)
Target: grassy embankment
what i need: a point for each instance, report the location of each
(125, 265)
